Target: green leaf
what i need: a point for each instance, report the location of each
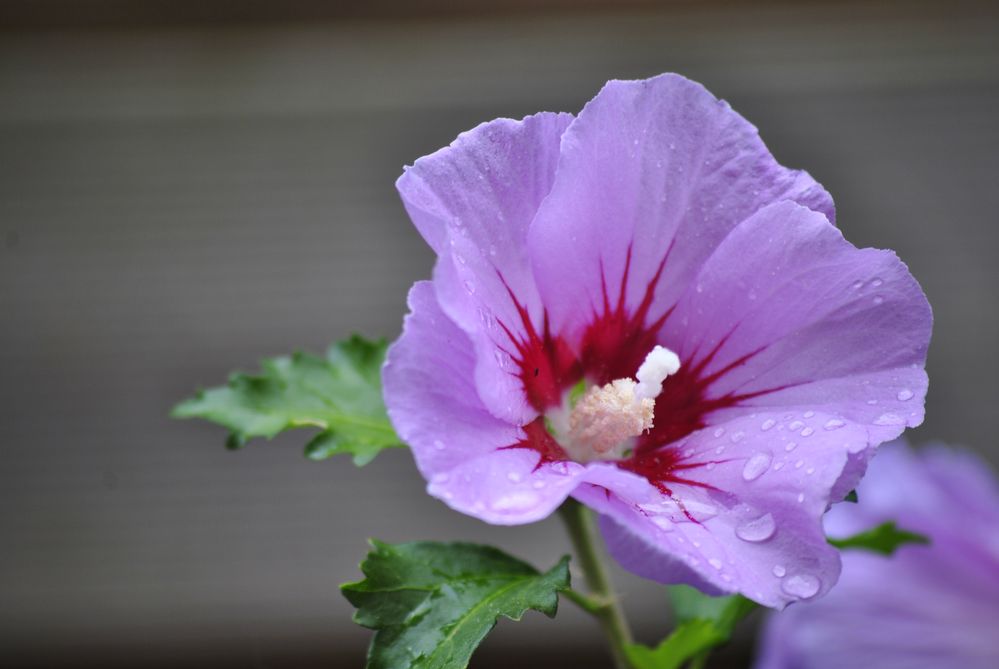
(725, 612)
(686, 641)
(851, 497)
(885, 538)
(339, 394)
(703, 622)
(431, 604)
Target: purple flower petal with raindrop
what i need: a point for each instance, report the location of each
(922, 608)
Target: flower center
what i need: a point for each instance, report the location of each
(602, 423)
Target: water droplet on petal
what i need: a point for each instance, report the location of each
(905, 395)
(790, 446)
(518, 501)
(538, 485)
(663, 523)
(438, 444)
(720, 450)
(857, 285)
(889, 419)
(470, 287)
(756, 465)
(872, 402)
(795, 426)
(778, 466)
(757, 530)
(798, 464)
(801, 497)
(779, 570)
(737, 437)
(807, 432)
(513, 477)
(808, 414)
(802, 586)
(715, 562)
(877, 282)
(719, 432)
(878, 299)
(834, 424)
(767, 424)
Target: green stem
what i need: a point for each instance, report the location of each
(603, 603)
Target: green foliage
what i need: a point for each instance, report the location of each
(703, 623)
(340, 394)
(687, 641)
(851, 497)
(885, 538)
(431, 604)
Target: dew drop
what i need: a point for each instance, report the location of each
(720, 450)
(810, 471)
(798, 464)
(438, 444)
(877, 282)
(790, 446)
(779, 570)
(905, 395)
(889, 419)
(755, 531)
(802, 586)
(801, 497)
(737, 437)
(807, 432)
(857, 285)
(470, 287)
(663, 523)
(513, 477)
(538, 485)
(778, 466)
(834, 424)
(767, 424)
(518, 501)
(795, 426)
(878, 299)
(709, 466)
(872, 402)
(755, 466)
(719, 432)
(808, 414)
(715, 562)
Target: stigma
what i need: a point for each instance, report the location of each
(604, 421)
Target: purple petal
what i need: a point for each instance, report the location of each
(749, 518)
(473, 202)
(650, 167)
(808, 321)
(458, 444)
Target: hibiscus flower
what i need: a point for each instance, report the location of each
(639, 308)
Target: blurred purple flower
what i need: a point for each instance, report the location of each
(924, 608)
(653, 231)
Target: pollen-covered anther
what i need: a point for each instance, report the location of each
(606, 418)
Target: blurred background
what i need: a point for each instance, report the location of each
(186, 187)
